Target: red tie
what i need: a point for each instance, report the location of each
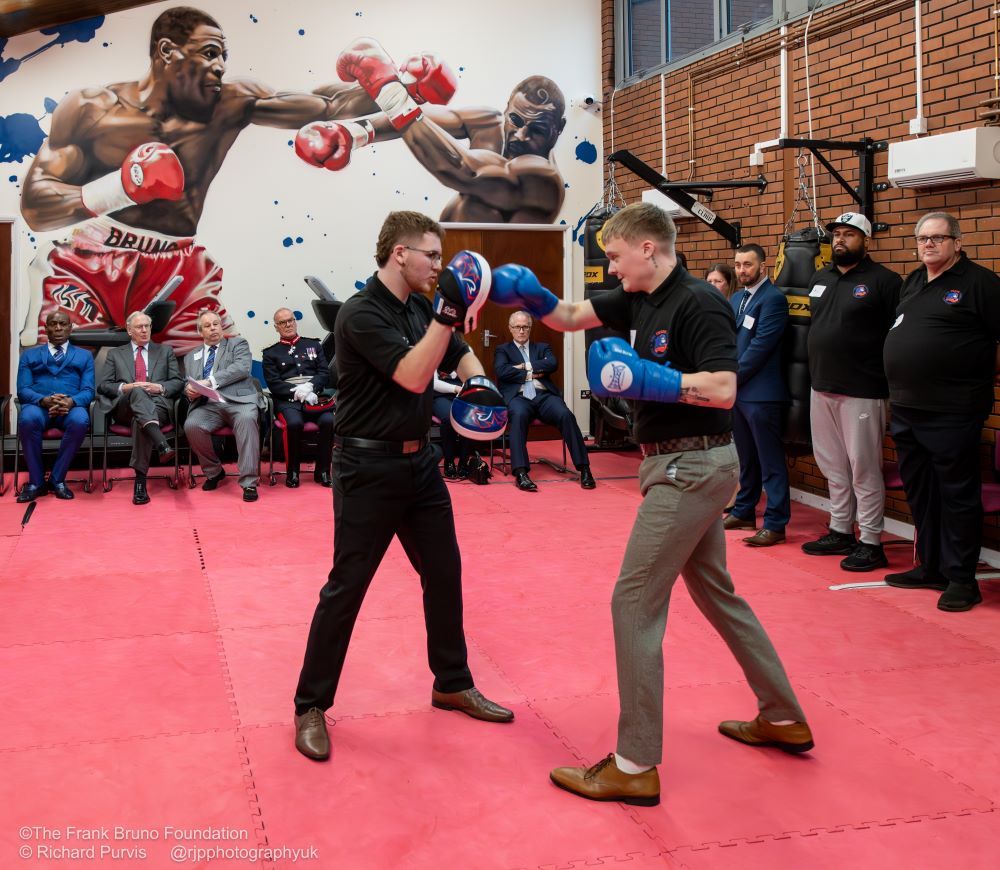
(140, 365)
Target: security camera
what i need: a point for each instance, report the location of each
(589, 100)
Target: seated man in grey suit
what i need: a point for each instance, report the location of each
(138, 382)
(224, 365)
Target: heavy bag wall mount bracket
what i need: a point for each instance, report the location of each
(866, 148)
(681, 192)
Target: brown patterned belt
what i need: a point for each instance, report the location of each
(688, 442)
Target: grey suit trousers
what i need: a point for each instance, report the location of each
(202, 421)
(140, 408)
(678, 530)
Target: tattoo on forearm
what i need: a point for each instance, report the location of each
(693, 396)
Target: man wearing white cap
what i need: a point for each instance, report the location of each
(853, 302)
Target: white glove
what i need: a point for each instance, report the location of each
(312, 399)
(301, 391)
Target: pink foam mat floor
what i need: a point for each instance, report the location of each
(149, 657)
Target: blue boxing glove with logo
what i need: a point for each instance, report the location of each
(463, 287)
(478, 411)
(617, 370)
(517, 287)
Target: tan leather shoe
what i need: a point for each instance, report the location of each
(311, 738)
(605, 782)
(765, 538)
(790, 738)
(733, 522)
(472, 703)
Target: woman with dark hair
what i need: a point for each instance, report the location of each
(723, 278)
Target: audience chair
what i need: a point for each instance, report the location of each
(503, 451)
(308, 428)
(265, 429)
(55, 434)
(4, 402)
(171, 431)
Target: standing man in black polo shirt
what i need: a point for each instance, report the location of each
(940, 358)
(682, 374)
(390, 342)
(853, 303)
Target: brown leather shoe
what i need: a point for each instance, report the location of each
(311, 738)
(733, 522)
(605, 782)
(472, 703)
(790, 738)
(765, 538)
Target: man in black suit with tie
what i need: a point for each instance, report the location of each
(139, 380)
(522, 370)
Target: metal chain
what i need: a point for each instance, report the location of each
(802, 194)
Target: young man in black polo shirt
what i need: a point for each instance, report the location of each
(940, 359)
(853, 303)
(682, 371)
(390, 342)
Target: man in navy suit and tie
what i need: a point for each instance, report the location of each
(55, 386)
(761, 395)
(522, 369)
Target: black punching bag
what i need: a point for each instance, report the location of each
(611, 418)
(800, 255)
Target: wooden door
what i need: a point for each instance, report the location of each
(539, 250)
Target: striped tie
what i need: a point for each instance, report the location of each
(208, 364)
(58, 354)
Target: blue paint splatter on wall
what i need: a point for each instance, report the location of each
(287, 241)
(257, 370)
(12, 179)
(76, 31)
(20, 137)
(253, 18)
(251, 314)
(50, 105)
(298, 240)
(302, 32)
(359, 285)
(586, 152)
(298, 315)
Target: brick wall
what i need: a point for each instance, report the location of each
(862, 71)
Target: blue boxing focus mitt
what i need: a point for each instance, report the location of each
(615, 369)
(463, 288)
(478, 411)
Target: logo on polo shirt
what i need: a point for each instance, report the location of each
(861, 291)
(659, 343)
(953, 297)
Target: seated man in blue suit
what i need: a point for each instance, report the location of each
(761, 395)
(55, 386)
(523, 370)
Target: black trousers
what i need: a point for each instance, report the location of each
(376, 496)
(453, 445)
(295, 419)
(939, 465)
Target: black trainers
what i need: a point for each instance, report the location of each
(960, 596)
(917, 578)
(865, 557)
(831, 544)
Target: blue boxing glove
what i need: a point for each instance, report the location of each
(478, 411)
(517, 287)
(617, 370)
(463, 287)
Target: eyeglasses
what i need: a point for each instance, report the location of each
(528, 326)
(433, 256)
(935, 240)
(288, 322)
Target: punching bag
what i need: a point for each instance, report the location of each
(611, 418)
(800, 256)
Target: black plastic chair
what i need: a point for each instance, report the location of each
(171, 430)
(54, 434)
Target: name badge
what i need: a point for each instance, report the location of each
(899, 320)
(817, 291)
(198, 354)
(748, 322)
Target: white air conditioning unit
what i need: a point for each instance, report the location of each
(948, 158)
(667, 204)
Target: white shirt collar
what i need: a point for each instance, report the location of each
(52, 348)
(135, 347)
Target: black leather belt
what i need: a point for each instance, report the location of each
(402, 447)
(688, 442)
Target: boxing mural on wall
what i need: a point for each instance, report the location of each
(126, 167)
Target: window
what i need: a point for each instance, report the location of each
(656, 33)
